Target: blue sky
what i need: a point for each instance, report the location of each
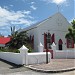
(23, 13)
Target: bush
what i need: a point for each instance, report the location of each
(10, 50)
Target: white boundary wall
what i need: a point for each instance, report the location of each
(64, 54)
(40, 57)
(11, 57)
(19, 58)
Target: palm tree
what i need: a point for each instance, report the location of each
(18, 39)
(70, 34)
(73, 24)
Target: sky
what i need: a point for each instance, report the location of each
(23, 13)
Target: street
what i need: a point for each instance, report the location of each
(7, 68)
(39, 73)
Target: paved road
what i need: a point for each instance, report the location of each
(11, 69)
(6, 67)
(38, 73)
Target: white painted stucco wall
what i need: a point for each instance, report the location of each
(35, 33)
(11, 57)
(37, 58)
(65, 54)
(56, 24)
(18, 58)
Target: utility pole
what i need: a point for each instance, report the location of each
(46, 49)
(46, 56)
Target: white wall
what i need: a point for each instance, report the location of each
(64, 54)
(40, 57)
(18, 58)
(35, 33)
(11, 57)
(2, 45)
(56, 24)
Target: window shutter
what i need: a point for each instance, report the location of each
(53, 38)
(33, 41)
(72, 43)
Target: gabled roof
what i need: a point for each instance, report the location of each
(4, 40)
(39, 23)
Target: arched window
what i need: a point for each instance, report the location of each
(60, 42)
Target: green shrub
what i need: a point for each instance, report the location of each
(10, 50)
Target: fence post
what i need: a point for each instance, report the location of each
(40, 47)
(24, 53)
(53, 46)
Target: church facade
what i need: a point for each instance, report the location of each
(52, 29)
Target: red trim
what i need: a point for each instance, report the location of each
(33, 41)
(45, 41)
(53, 38)
(67, 43)
(72, 43)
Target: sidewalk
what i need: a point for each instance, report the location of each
(56, 65)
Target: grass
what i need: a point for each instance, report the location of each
(10, 50)
(13, 50)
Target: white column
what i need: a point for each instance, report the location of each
(24, 54)
(53, 46)
(40, 47)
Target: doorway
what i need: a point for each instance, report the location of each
(60, 44)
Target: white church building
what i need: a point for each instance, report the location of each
(52, 29)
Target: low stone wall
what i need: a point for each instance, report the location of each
(64, 54)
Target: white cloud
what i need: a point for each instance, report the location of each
(32, 2)
(33, 7)
(55, 1)
(11, 5)
(6, 7)
(14, 18)
(11, 17)
(59, 1)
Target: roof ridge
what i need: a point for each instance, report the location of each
(38, 23)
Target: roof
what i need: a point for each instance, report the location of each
(39, 23)
(4, 40)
